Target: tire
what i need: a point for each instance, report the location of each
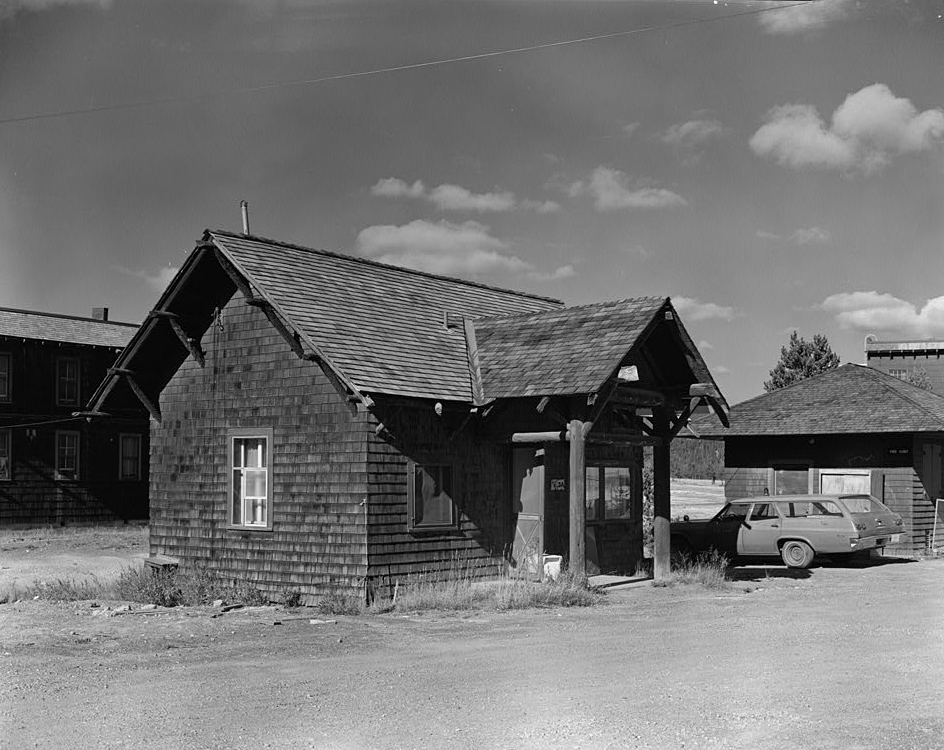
(796, 554)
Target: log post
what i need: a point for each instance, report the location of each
(661, 500)
(578, 507)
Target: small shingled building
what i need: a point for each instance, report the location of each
(324, 421)
(850, 429)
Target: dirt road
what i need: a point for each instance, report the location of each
(835, 658)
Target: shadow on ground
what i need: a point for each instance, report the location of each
(776, 569)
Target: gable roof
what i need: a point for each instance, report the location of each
(567, 351)
(850, 399)
(64, 329)
(381, 329)
(383, 326)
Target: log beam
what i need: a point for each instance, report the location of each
(578, 507)
(129, 377)
(188, 341)
(661, 498)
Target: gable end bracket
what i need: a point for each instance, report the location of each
(188, 341)
(129, 377)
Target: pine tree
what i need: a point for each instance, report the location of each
(801, 359)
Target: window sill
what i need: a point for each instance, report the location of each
(430, 530)
(249, 528)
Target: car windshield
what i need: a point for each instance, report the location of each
(732, 511)
(862, 504)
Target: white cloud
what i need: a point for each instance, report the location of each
(639, 250)
(541, 207)
(631, 127)
(558, 274)
(449, 197)
(691, 134)
(801, 237)
(9, 8)
(442, 247)
(721, 370)
(158, 281)
(456, 198)
(695, 309)
(704, 345)
(611, 192)
(872, 312)
(393, 187)
(867, 130)
(809, 16)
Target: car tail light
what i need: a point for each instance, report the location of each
(860, 527)
(853, 541)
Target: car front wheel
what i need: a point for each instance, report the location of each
(796, 554)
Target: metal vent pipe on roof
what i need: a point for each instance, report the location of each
(244, 205)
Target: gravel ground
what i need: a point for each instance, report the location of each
(835, 657)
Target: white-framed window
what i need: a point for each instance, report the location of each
(429, 497)
(6, 460)
(6, 365)
(897, 372)
(250, 480)
(790, 479)
(67, 454)
(67, 381)
(129, 456)
(845, 481)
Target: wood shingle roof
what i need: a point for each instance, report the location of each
(851, 399)
(64, 329)
(567, 351)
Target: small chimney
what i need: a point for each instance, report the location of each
(244, 205)
(100, 313)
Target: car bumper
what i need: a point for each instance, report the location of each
(871, 542)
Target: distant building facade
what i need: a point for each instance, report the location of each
(901, 358)
(56, 467)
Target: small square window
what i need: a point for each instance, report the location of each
(430, 497)
(250, 479)
(5, 367)
(67, 381)
(5, 459)
(129, 457)
(67, 455)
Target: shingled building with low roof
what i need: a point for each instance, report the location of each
(324, 421)
(55, 467)
(850, 429)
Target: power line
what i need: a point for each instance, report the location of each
(398, 68)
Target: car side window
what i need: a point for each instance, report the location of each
(764, 512)
(824, 508)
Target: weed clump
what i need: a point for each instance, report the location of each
(709, 569)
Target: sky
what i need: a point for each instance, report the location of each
(770, 166)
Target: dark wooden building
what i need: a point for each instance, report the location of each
(56, 468)
(321, 420)
(851, 429)
(902, 359)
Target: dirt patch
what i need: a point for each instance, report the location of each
(76, 553)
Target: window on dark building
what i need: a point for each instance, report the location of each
(6, 461)
(129, 456)
(429, 495)
(609, 493)
(67, 454)
(5, 366)
(67, 381)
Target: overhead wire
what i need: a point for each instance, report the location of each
(398, 68)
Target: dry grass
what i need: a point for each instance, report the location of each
(709, 569)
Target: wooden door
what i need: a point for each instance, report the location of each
(527, 507)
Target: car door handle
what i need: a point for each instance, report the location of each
(775, 525)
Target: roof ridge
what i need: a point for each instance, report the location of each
(63, 316)
(572, 308)
(375, 263)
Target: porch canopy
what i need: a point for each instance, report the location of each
(625, 372)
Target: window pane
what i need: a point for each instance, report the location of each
(617, 492)
(237, 496)
(432, 501)
(592, 492)
(68, 381)
(4, 377)
(840, 484)
(255, 483)
(67, 455)
(791, 481)
(4, 454)
(254, 452)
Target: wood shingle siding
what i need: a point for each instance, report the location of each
(318, 481)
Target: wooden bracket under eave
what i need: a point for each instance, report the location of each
(128, 375)
(188, 341)
(352, 397)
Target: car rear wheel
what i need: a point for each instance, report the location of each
(796, 554)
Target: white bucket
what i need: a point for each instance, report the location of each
(552, 566)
